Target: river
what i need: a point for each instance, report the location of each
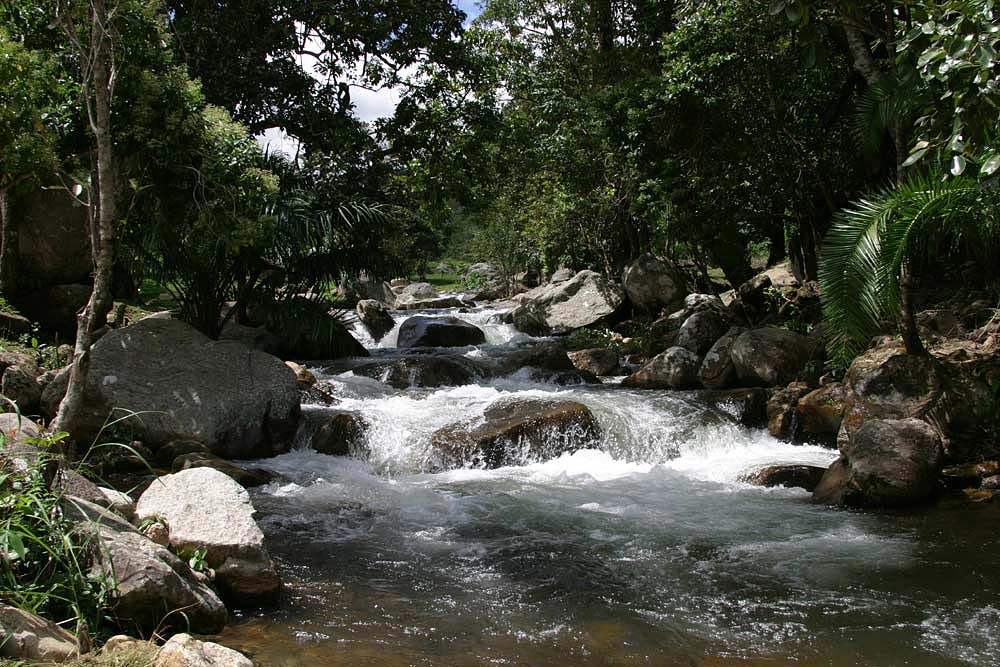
(646, 551)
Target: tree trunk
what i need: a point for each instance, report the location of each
(94, 314)
(911, 335)
(8, 248)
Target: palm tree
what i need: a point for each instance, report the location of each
(873, 245)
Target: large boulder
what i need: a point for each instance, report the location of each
(375, 317)
(701, 330)
(183, 650)
(53, 391)
(360, 290)
(676, 368)
(516, 432)
(562, 274)
(24, 636)
(747, 406)
(886, 463)
(55, 307)
(549, 355)
(242, 403)
(420, 331)
(411, 371)
(717, 368)
(584, 300)
(53, 241)
(887, 383)
(821, 412)
(205, 509)
(154, 588)
(770, 356)
(19, 385)
(599, 361)
(653, 284)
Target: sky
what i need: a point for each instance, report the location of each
(369, 105)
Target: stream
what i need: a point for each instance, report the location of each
(646, 551)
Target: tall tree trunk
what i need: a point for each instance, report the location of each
(8, 247)
(100, 303)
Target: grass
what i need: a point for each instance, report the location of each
(446, 282)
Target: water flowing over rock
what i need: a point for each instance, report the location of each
(653, 284)
(886, 463)
(770, 357)
(782, 411)
(598, 361)
(241, 403)
(411, 371)
(790, 475)
(375, 317)
(183, 650)
(676, 368)
(420, 331)
(204, 508)
(516, 432)
(584, 300)
(153, 585)
(24, 636)
(338, 432)
(717, 369)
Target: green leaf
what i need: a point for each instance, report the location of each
(777, 6)
(929, 56)
(958, 164)
(12, 546)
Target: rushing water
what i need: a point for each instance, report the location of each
(648, 551)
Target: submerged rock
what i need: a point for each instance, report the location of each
(516, 432)
(204, 508)
(791, 475)
(676, 368)
(339, 432)
(422, 331)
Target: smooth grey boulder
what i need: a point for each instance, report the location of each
(25, 636)
(205, 508)
(420, 331)
(887, 463)
(183, 650)
(653, 284)
(676, 368)
(701, 330)
(599, 361)
(770, 357)
(584, 300)
(241, 403)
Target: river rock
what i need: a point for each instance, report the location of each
(413, 371)
(585, 300)
(432, 304)
(24, 636)
(676, 368)
(598, 360)
(717, 369)
(55, 307)
(449, 331)
(782, 411)
(19, 385)
(886, 463)
(241, 403)
(770, 357)
(790, 475)
(245, 477)
(183, 650)
(166, 454)
(516, 432)
(153, 585)
(204, 508)
(748, 406)
(375, 317)
(53, 385)
(969, 474)
(701, 330)
(562, 274)
(653, 284)
(821, 412)
(303, 375)
(339, 432)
